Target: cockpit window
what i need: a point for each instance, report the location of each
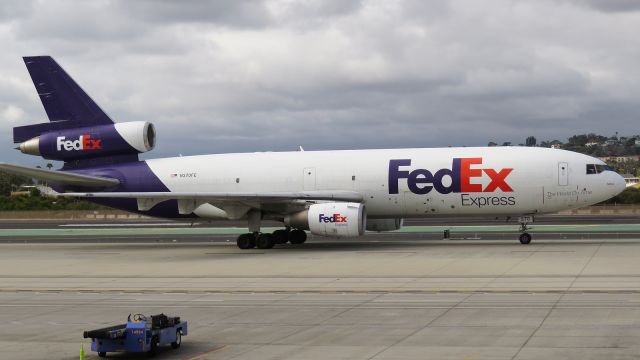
(597, 168)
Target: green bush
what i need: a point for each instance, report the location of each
(25, 202)
(628, 196)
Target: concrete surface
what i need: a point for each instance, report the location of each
(375, 298)
(586, 227)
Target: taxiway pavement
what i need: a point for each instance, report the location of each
(380, 297)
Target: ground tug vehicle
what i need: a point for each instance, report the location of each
(139, 334)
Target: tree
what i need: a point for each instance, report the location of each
(578, 140)
(9, 183)
(531, 141)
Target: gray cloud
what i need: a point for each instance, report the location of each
(247, 13)
(14, 9)
(611, 5)
(272, 75)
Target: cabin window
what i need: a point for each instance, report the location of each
(591, 169)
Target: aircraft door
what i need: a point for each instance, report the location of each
(563, 174)
(309, 179)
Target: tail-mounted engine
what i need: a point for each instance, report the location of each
(331, 219)
(91, 142)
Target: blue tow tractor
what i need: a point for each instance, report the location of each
(140, 334)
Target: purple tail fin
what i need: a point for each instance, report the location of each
(66, 104)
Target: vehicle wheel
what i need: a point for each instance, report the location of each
(176, 344)
(246, 241)
(280, 236)
(264, 241)
(297, 236)
(102, 354)
(153, 350)
(525, 238)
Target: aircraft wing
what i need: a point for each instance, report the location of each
(235, 204)
(338, 195)
(59, 176)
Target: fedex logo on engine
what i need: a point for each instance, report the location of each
(335, 218)
(84, 142)
(461, 175)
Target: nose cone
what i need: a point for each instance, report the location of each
(621, 184)
(616, 183)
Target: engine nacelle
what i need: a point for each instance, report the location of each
(115, 139)
(331, 219)
(384, 224)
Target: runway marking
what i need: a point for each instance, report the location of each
(97, 252)
(127, 224)
(322, 292)
(542, 251)
(186, 229)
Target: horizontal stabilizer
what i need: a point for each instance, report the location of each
(351, 196)
(61, 177)
(26, 132)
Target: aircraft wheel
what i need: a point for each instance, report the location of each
(264, 241)
(102, 354)
(280, 236)
(297, 236)
(525, 238)
(246, 241)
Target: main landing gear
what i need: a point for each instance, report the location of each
(525, 237)
(267, 241)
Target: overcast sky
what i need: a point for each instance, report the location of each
(236, 76)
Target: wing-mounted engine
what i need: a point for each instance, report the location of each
(129, 138)
(340, 219)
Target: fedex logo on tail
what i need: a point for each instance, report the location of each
(462, 174)
(84, 142)
(335, 218)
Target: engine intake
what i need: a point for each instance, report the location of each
(104, 140)
(331, 219)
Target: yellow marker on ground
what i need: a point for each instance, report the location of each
(81, 351)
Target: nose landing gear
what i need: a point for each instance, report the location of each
(525, 237)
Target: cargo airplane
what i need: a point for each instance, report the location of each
(328, 193)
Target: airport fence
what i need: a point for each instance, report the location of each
(68, 214)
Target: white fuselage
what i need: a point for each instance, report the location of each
(540, 180)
